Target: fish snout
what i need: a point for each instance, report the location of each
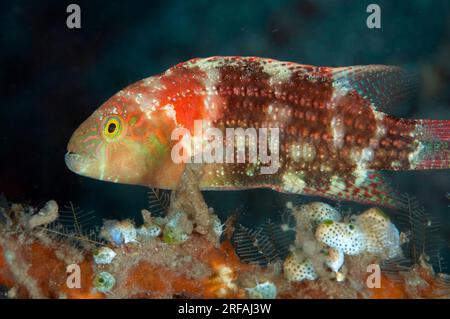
(75, 162)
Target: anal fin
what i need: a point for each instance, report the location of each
(374, 189)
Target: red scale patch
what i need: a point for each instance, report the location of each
(395, 146)
(184, 89)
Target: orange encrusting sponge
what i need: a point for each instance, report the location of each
(46, 263)
(47, 270)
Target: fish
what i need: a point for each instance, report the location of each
(334, 133)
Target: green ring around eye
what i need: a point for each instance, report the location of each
(112, 127)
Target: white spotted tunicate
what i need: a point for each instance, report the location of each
(298, 268)
(383, 238)
(319, 212)
(347, 237)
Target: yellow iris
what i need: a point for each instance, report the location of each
(113, 127)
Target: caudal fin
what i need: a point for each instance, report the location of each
(434, 147)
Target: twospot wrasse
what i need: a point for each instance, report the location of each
(334, 136)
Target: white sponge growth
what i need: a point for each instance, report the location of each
(104, 255)
(334, 259)
(265, 290)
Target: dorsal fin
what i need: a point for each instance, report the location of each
(385, 86)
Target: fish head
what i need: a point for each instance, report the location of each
(127, 140)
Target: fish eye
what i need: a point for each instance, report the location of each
(113, 127)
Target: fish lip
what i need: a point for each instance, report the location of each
(70, 159)
(76, 162)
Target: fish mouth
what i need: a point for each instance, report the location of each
(77, 163)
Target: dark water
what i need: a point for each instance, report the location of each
(53, 77)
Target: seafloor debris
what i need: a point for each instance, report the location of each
(326, 260)
(318, 253)
(104, 255)
(265, 290)
(47, 215)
